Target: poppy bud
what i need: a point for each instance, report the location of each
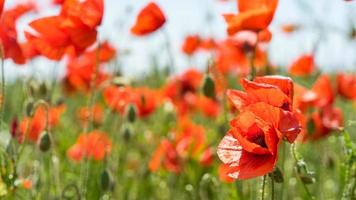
(307, 179)
(276, 175)
(208, 87)
(43, 89)
(126, 132)
(45, 142)
(33, 88)
(105, 180)
(29, 107)
(131, 113)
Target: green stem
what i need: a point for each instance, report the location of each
(272, 189)
(297, 158)
(2, 100)
(263, 184)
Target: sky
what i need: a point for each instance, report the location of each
(336, 51)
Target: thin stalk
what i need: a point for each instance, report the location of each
(251, 57)
(169, 51)
(263, 184)
(272, 189)
(297, 159)
(2, 100)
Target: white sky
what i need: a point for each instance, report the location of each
(189, 17)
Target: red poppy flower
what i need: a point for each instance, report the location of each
(346, 85)
(118, 98)
(150, 19)
(80, 70)
(167, 156)
(189, 138)
(191, 44)
(254, 15)
(250, 148)
(209, 107)
(303, 66)
(72, 31)
(8, 32)
(320, 117)
(321, 95)
(207, 157)
(232, 54)
(2, 2)
(97, 114)
(95, 144)
(31, 128)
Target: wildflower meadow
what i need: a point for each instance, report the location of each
(218, 116)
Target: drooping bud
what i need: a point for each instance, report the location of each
(44, 142)
(208, 86)
(43, 89)
(131, 113)
(30, 107)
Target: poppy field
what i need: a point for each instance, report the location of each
(234, 123)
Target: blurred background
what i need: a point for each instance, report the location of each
(331, 22)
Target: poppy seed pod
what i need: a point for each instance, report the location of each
(131, 113)
(208, 87)
(45, 142)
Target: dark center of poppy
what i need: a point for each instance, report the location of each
(260, 141)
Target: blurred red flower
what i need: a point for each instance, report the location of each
(303, 66)
(81, 69)
(191, 44)
(32, 127)
(346, 85)
(95, 144)
(165, 155)
(72, 31)
(319, 117)
(2, 2)
(145, 99)
(150, 19)
(8, 32)
(232, 54)
(254, 15)
(97, 114)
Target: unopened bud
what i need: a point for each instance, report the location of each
(208, 87)
(29, 107)
(45, 142)
(43, 89)
(131, 113)
(276, 175)
(105, 180)
(126, 132)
